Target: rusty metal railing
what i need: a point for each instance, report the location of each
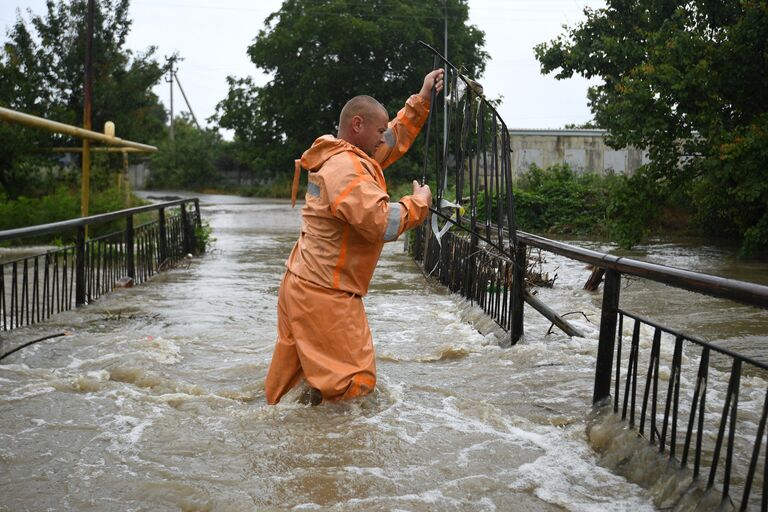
(33, 288)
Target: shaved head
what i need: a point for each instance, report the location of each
(363, 106)
(363, 122)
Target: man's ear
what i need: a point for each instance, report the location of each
(357, 124)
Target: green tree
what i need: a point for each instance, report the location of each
(320, 53)
(689, 81)
(188, 161)
(41, 73)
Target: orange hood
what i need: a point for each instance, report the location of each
(313, 158)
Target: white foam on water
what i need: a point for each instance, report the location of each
(432, 498)
(568, 475)
(25, 392)
(373, 471)
(565, 475)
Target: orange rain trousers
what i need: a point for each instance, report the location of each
(323, 335)
(332, 343)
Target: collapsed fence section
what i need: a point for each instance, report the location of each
(37, 286)
(483, 276)
(469, 164)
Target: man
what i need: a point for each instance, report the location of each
(323, 333)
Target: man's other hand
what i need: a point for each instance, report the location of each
(434, 78)
(422, 191)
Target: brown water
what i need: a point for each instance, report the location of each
(155, 400)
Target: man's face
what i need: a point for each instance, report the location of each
(372, 128)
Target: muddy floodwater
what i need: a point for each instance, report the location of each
(154, 400)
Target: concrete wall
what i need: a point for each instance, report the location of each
(584, 150)
(138, 174)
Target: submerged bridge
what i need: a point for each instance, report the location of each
(687, 414)
(153, 397)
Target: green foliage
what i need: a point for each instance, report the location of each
(188, 161)
(688, 81)
(321, 53)
(41, 73)
(634, 207)
(558, 200)
(62, 204)
(204, 238)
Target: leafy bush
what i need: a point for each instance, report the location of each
(61, 205)
(558, 200)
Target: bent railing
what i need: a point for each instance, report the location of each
(696, 419)
(479, 253)
(35, 287)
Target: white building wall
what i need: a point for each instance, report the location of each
(584, 151)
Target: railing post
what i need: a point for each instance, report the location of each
(518, 294)
(608, 319)
(162, 243)
(198, 220)
(130, 261)
(80, 267)
(187, 230)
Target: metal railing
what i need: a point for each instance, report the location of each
(680, 420)
(32, 288)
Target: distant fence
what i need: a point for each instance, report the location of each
(32, 288)
(681, 420)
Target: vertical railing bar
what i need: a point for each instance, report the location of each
(764, 504)
(130, 262)
(635, 360)
(673, 392)
(162, 248)
(702, 411)
(97, 257)
(25, 294)
(657, 356)
(3, 298)
(731, 396)
(80, 255)
(619, 339)
(46, 287)
(754, 459)
(57, 280)
(112, 265)
(648, 383)
(36, 292)
(15, 297)
(72, 271)
(103, 265)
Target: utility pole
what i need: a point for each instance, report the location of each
(87, 111)
(178, 82)
(171, 61)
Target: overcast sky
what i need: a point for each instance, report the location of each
(212, 38)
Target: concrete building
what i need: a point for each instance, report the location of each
(584, 150)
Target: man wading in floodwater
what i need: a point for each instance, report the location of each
(322, 330)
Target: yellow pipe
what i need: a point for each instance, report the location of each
(13, 116)
(98, 149)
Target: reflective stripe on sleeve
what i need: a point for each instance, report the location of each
(389, 137)
(393, 222)
(313, 189)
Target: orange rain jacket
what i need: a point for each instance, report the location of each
(346, 220)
